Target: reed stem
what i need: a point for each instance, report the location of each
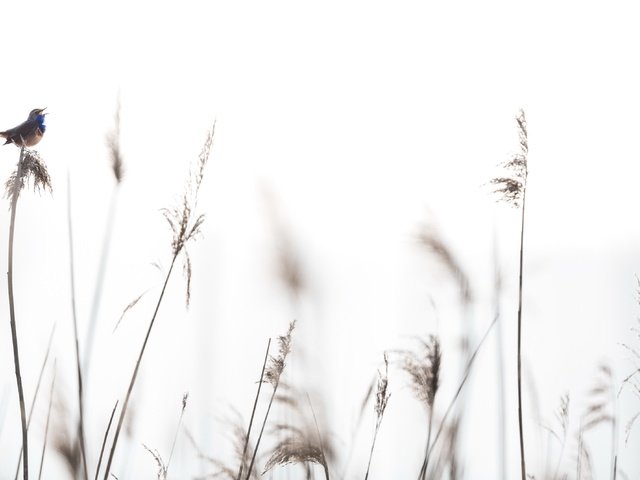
(12, 315)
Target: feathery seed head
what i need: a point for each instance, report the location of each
(276, 364)
(512, 187)
(424, 369)
(185, 226)
(113, 144)
(382, 394)
(30, 166)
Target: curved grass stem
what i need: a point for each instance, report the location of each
(12, 314)
(134, 376)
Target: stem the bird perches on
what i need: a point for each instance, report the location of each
(12, 314)
(35, 396)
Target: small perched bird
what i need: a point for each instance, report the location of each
(29, 132)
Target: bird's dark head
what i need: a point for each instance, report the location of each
(37, 115)
(36, 112)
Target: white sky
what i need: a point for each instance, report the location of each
(362, 120)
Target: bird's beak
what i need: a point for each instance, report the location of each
(42, 111)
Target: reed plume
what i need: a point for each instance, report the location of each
(423, 368)
(116, 161)
(382, 398)
(272, 375)
(300, 444)
(185, 226)
(513, 191)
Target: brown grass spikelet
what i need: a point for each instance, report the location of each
(64, 442)
(276, 364)
(184, 224)
(69, 450)
(271, 374)
(293, 450)
(600, 396)
(300, 443)
(629, 425)
(431, 239)
(511, 188)
(113, 144)
(187, 270)
(382, 394)
(562, 419)
(562, 414)
(382, 398)
(162, 468)
(424, 373)
(424, 369)
(30, 166)
(285, 398)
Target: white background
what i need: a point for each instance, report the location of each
(356, 123)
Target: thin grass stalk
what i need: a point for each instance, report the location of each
(354, 433)
(97, 289)
(513, 189)
(462, 383)
(12, 315)
(563, 416)
(579, 461)
(264, 422)
(425, 462)
(113, 142)
(136, 368)
(373, 445)
(35, 395)
(175, 437)
(253, 412)
(104, 441)
(75, 335)
(614, 434)
(502, 429)
(315, 422)
(556, 472)
(272, 374)
(382, 399)
(46, 428)
(523, 467)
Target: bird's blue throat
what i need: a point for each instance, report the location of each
(41, 124)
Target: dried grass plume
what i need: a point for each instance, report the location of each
(511, 188)
(184, 223)
(30, 167)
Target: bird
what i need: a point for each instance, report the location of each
(29, 132)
